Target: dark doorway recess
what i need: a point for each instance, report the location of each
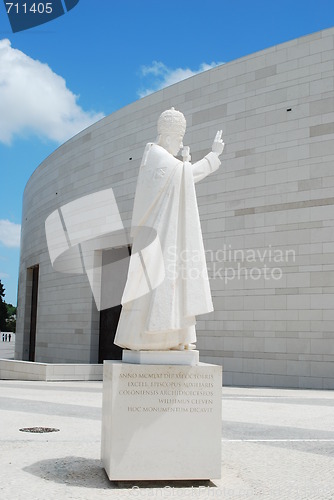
(33, 315)
(108, 325)
(112, 284)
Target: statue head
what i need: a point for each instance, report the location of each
(171, 130)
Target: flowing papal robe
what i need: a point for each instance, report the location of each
(167, 284)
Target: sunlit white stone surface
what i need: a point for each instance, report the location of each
(161, 422)
(185, 357)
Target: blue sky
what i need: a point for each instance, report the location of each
(58, 78)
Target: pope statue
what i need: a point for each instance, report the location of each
(167, 284)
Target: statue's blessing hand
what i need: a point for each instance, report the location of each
(218, 144)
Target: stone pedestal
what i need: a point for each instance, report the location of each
(161, 422)
(184, 357)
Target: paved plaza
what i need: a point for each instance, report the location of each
(7, 348)
(276, 444)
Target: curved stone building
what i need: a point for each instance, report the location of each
(267, 218)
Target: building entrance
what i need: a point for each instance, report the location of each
(33, 315)
(112, 285)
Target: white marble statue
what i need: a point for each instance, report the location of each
(165, 211)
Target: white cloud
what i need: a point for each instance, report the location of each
(9, 233)
(34, 99)
(164, 76)
(4, 275)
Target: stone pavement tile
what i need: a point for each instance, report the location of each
(276, 472)
(277, 445)
(7, 349)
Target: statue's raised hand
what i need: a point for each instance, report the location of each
(218, 143)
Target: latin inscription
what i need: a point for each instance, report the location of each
(167, 392)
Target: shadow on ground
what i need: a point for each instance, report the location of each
(89, 473)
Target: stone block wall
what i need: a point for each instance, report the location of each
(267, 215)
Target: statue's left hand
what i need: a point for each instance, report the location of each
(218, 143)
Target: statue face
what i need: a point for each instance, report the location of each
(173, 143)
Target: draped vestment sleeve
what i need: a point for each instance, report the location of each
(206, 166)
